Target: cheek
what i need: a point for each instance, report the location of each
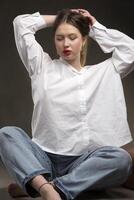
(58, 47)
(78, 45)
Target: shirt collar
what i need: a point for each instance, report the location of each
(73, 68)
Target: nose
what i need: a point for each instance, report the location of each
(66, 42)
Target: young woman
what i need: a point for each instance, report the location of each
(79, 119)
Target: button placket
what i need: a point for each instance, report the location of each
(83, 109)
(82, 95)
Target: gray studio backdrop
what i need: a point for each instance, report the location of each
(15, 92)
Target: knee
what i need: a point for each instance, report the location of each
(123, 162)
(8, 132)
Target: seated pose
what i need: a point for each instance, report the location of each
(79, 119)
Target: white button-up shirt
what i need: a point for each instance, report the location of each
(74, 110)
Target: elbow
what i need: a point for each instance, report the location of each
(17, 20)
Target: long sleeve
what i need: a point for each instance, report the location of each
(30, 51)
(121, 46)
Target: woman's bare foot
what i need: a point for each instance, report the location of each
(15, 191)
(48, 192)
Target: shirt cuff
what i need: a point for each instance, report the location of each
(40, 22)
(95, 26)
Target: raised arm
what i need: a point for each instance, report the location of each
(30, 51)
(121, 46)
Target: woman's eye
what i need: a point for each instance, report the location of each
(72, 37)
(59, 39)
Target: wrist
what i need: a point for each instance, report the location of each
(93, 20)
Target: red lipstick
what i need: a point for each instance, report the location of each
(67, 52)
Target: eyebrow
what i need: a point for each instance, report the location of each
(68, 34)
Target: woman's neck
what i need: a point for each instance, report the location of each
(76, 65)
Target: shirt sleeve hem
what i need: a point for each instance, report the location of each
(40, 21)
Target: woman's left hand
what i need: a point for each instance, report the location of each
(85, 13)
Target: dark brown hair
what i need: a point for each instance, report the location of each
(78, 21)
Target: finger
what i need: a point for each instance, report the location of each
(75, 10)
(83, 11)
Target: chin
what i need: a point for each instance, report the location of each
(68, 58)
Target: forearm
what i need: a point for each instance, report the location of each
(111, 39)
(49, 19)
(30, 51)
(120, 45)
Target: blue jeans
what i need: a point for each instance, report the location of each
(98, 168)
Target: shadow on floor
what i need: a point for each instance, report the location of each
(5, 196)
(87, 196)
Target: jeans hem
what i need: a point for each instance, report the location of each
(60, 186)
(28, 188)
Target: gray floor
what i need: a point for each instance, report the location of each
(114, 193)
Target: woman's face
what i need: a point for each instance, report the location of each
(68, 42)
